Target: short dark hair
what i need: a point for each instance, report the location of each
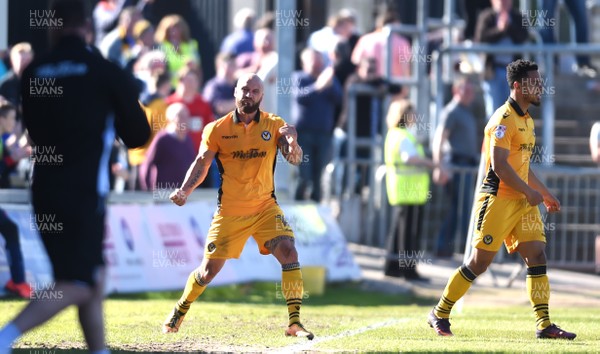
(5, 107)
(518, 69)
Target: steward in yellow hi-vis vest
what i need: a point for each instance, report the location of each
(407, 180)
(406, 184)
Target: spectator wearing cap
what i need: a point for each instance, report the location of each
(143, 33)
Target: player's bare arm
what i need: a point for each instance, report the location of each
(550, 201)
(288, 144)
(507, 174)
(194, 176)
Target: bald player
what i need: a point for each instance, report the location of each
(244, 143)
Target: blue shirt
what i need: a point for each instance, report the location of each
(314, 110)
(238, 42)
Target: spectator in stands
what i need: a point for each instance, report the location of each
(316, 92)
(188, 94)
(262, 62)
(117, 45)
(470, 9)
(266, 21)
(3, 57)
(240, 41)
(369, 111)
(219, 90)
(170, 153)
(341, 55)
(456, 144)
(147, 68)
(372, 45)
(173, 35)
(8, 228)
(501, 25)
(407, 181)
(143, 32)
(339, 28)
(155, 107)
(579, 17)
(595, 142)
(12, 149)
(21, 55)
(106, 14)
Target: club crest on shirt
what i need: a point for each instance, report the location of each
(266, 135)
(499, 131)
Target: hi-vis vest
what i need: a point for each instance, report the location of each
(405, 184)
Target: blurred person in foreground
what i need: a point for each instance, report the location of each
(8, 228)
(245, 142)
(315, 93)
(507, 205)
(407, 182)
(456, 144)
(74, 187)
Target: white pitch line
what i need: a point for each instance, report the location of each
(298, 347)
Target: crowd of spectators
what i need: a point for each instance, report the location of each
(166, 61)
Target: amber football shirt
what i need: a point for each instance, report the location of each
(512, 129)
(246, 157)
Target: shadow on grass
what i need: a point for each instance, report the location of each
(345, 293)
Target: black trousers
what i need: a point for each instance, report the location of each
(403, 239)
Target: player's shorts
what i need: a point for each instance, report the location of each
(228, 234)
(72, 230)
(509, 220)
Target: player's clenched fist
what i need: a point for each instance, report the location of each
(178, 197)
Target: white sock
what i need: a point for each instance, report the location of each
(8, 334)
(103, 351)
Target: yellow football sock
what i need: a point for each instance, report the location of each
(538, 289)
(457, 286)
(193, 288)
(292, 288)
